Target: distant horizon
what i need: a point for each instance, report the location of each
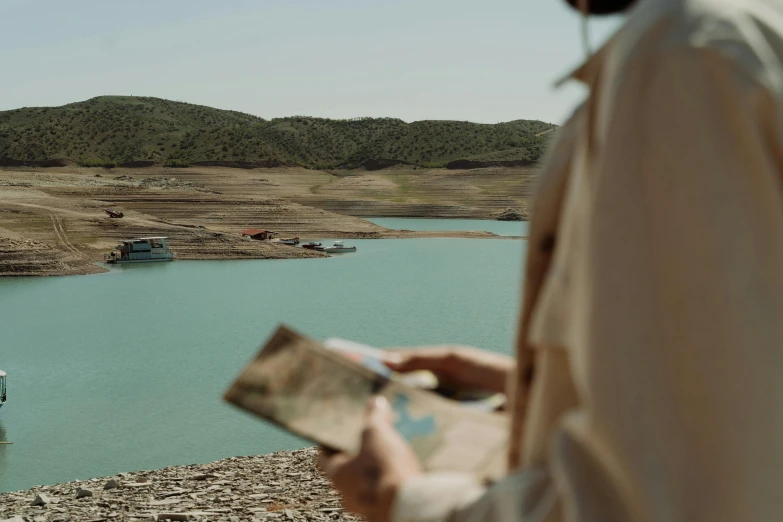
(274, 118)
(457, 60)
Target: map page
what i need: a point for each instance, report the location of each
(321, 395)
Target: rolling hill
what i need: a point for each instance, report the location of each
(130, 130)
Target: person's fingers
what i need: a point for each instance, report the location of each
(393, 357)
(327, 451)
(378, 412)
(331, 464)
(380, 438)
(375, 418)
(433, 358)
(323, 457)
(378, 419)
(379, 434)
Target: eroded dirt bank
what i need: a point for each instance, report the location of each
(52, 223)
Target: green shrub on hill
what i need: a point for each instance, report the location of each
(127, 128)
(92, 162)
(176, 163)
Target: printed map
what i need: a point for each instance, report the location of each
(321, 395)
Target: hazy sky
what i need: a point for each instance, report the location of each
(480, 60)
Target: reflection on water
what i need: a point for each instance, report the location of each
(126, 267)
(501, 228)
(4, 448)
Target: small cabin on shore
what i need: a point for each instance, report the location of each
(258, 233)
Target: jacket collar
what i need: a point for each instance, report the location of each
(587, 72)
(638, 19)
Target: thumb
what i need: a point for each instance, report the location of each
(379, 412)
(379, 433)
(378, 420)
(433, 358)
(395, 359)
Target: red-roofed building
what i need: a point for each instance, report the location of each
(258, 233)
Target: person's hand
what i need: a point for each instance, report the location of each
(459, 366)
(369, 480)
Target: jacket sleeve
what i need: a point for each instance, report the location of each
(525, 496)
(672, 302)
(434, 497)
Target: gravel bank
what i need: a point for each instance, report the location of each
(283, 486)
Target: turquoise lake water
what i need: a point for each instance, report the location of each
(124, 371)
(501, 228)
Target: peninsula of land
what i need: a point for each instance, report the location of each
(200, 176)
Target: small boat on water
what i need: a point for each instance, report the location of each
(339, 248)
(313, 246)
(293, 241)
(141, 250)
(2, 388)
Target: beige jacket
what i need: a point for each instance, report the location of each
(650, 379)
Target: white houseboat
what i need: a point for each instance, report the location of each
(339, 248)
(141, 250)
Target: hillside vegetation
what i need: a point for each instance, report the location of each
(124, 129)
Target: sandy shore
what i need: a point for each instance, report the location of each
(282, 486)
(52, 223)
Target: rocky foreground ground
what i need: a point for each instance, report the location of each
(282, 486)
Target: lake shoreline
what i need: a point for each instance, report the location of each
(284, 485)
(33, 260)
(52, 221)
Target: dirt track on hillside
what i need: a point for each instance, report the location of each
(394, 192)
(52, 223)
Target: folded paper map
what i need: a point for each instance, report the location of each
(372, 358)
(320, 394)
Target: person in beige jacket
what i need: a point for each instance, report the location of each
(648, 383)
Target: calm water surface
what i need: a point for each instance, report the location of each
(124, 371)
(501, 228)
